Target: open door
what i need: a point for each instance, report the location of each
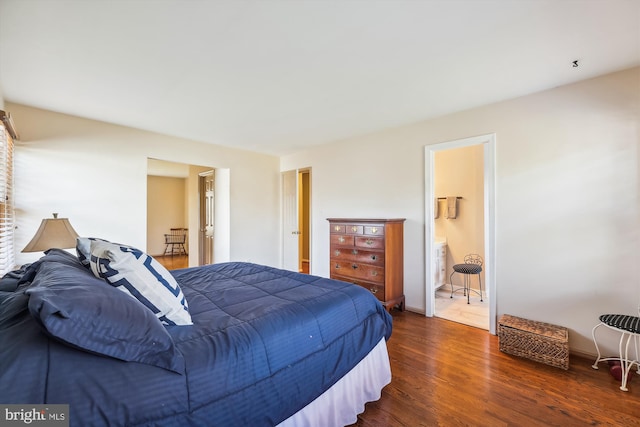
(290, 230)
(206, 190)
(296, 224)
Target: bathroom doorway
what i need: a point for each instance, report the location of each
(459, 178)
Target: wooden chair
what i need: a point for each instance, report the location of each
(175, 242)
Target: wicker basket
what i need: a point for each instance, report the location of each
(538, 341)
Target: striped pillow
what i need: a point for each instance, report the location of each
(141, 276)
(83, 249)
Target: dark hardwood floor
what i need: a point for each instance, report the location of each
(449, 374)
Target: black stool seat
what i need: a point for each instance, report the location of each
(467, 268)
(629, 329)
(622, 321)
(472, 265)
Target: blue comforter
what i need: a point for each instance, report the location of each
(264, 343)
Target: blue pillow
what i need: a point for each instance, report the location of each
(84, 312)
(62, 256)
(141, 276)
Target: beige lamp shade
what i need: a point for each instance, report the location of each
(53, 233)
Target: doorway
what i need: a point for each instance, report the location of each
(206, 191)
(296, 220)
(487, 145)
(186, 205)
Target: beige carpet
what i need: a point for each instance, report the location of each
(456, 309)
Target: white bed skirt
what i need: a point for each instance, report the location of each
(341, 404)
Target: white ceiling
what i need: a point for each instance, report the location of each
(276, 76)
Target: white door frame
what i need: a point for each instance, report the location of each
(489, 142)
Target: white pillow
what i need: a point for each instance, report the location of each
(83, 249)
(142, 277)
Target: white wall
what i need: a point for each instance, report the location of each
(222, 216)
(567, 207)
(96, 175)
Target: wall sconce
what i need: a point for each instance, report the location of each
(53, 233)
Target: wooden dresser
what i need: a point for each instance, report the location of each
(369, 253)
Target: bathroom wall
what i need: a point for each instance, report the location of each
(459, 172)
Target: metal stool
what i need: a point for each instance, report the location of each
(472, 265)
(629, 329)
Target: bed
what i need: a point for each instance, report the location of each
(260, 347)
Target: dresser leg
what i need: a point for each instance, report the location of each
(391, 305)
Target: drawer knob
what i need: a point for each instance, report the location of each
(374, 257)
(369, 242)
(373, 290)
(341, 239)
(374, 273)
(337, 228)
(374, 230)
(354, 266)
(337, 266)
(354, 228)
(354, 252)
(337, 253)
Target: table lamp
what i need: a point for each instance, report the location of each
(53, 233)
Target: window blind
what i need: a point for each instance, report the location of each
(7, 256)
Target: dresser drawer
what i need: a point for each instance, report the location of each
(338, 228)
(357, 255)
(353, 229)
(358, 270)
(376, 289)
(341, 240)
(369, 257)
(369, 242)
(373, 230)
